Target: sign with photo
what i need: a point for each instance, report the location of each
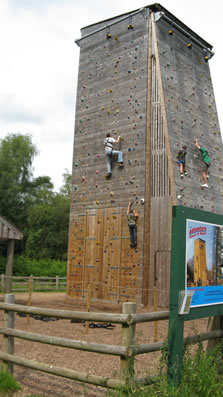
(204, 262)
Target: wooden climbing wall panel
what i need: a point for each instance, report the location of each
(93, 251)
(112, 253)
(75, 269)
(131, 265)
(100, 255)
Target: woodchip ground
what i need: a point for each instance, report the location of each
(38, 383)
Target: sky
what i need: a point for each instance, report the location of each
(39, 67)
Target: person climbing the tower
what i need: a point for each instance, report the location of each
(132, 217)
(206, 160)
(181, 160)
(109, 143)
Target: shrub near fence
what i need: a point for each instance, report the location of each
(22, 283)
(126, 351)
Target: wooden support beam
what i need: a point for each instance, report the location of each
(9, 266)
(147, 205)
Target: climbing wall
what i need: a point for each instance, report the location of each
(191, 113)
(142, 76)
(111, 97)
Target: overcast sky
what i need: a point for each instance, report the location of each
(39, 66)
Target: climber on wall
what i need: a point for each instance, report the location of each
(109, 143)
(132, 217)
(181, 160)
(206, 160)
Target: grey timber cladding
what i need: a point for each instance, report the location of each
(9, 232)
(191, 112)
(111, 97)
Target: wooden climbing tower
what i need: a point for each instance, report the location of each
(145, 76)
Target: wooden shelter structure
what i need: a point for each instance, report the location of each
(9, 233)
(145, 76)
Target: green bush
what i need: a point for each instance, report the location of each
(202, 376)
(8, 383)
(23, 266)
(39, 267)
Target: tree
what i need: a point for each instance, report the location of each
(16, 156)
(30, 203)
(66, 188)
(48, 224)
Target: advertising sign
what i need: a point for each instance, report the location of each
(204, 262)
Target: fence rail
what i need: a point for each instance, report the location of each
(24, 283)
(126, 351)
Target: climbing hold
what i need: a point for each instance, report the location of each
(83, 178)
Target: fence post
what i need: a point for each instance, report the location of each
(8, 341)
(29, 297)
(2, 282)
(128, 340)
(57, 282)
(9, 264)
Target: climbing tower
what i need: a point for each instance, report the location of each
(200, 266)
(145, 76)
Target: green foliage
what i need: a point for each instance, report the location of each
(16, 155)
(65, 190)
(8, 383)
(48, 229)
(31, 204)
(202, 376)
(24, 266)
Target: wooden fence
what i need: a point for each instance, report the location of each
(126, 351)
(23, 283)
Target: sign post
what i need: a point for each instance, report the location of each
(196, 279)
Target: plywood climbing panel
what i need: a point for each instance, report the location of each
(75, 269)
(93, 251)
(112, 253)
(131, 265)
